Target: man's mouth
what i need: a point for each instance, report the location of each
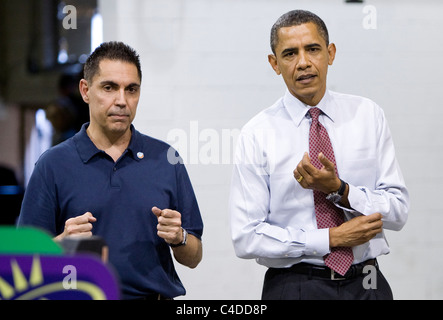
(306, 78)
(118, 116)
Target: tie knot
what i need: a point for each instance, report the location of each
(314, 112)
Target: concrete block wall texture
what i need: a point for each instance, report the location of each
(206, 74)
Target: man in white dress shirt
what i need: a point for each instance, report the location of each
(272, 204)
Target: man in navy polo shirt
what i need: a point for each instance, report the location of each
(112, 181)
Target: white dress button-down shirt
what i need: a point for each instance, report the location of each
(272, 216)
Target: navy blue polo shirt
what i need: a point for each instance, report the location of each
(75, 177)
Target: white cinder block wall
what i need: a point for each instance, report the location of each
(206, 73)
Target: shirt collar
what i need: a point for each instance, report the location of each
(298, 110)
(87, 149)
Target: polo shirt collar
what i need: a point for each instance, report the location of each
(298, 110)
(87, 149)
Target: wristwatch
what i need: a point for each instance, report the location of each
(337, 195)
(185, 237)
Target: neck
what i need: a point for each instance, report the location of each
(114, 144)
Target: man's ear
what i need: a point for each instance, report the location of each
(331, 51)
(84, 90)
(273, 62)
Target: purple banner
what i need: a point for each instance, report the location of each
(79, 277)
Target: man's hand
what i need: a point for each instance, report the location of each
(309, 177)
(170, 229)
(356, 231)
(80, 226)
(169, 225)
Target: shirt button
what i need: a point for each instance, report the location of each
(115, 169)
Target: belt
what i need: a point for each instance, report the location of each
(327, 273)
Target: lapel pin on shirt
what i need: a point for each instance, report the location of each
(140, 155)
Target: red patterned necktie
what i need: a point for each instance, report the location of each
(327, 214)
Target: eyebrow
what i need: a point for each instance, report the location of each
(313, 45)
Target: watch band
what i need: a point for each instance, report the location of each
(341, 190)
(185, 237)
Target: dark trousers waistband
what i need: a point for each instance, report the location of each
(327, 273)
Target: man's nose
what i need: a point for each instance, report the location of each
(303, 60)
(120, 99)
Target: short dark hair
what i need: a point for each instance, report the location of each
(295, 18)
(113, 51)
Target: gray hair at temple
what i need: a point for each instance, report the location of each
(295, 18)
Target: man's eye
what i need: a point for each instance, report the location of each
(107, 88)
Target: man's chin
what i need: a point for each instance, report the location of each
(119, 127)
(310, 96)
